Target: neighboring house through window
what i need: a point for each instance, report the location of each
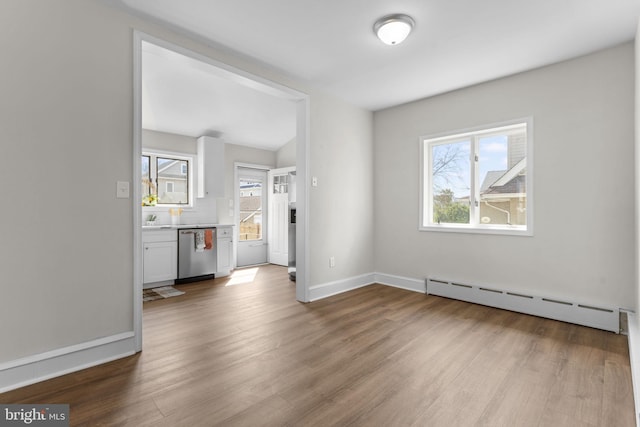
(478, 180)
(166, 179)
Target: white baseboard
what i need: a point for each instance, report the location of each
(401, 282)
(32, 369)
(634, 358)
(325, 290)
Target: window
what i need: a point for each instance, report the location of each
(251, 203)
(166, 179)
(477, 181)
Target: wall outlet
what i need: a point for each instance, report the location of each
(122, 189)
(332, 262)
(314, 181)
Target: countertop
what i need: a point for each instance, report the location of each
(176, 227)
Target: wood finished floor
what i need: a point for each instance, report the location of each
(250, 355)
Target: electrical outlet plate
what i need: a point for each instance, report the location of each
(122, 190)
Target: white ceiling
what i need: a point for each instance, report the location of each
(456, 43)
(185, 96)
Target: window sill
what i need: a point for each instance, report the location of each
(163, 208)
(452, 228)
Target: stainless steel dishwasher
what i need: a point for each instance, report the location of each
(197, 254)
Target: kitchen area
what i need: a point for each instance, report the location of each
(191, 233)
(197, 127)
(182, 238)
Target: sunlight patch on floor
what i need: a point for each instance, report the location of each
(241, 277)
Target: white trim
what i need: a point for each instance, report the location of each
(265, 210)
(137, 196)
(634, 359)
(40, 367)
(325, 290)
(401, 282)
(511, 173)
(303, 160)
(480, 229)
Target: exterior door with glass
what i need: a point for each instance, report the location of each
(251, 188)
(279, 216)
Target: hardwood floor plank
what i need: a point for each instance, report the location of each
(249, 354)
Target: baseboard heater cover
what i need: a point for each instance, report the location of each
(590, 315)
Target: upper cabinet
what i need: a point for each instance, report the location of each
(210, 167)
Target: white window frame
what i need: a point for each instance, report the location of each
(189, 158)
(474, 226)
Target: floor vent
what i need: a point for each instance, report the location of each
(551, 308)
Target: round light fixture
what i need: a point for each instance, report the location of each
(393, 29)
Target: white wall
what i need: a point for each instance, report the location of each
(341, 206)
(286, 155)
(66, 253)
(583, 244)
(233, 154)
(169, 142)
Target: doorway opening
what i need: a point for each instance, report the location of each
(245, 79)
(253, 215)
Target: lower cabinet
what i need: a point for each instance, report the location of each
(160, 256)
(225, 251)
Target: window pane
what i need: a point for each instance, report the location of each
(250, 208)
(450, 182)
(173, 181)
(280, 184)
(502, 167)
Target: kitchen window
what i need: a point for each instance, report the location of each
(478, 180)
(166, 179)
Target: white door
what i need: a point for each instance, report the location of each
(252, 216)
(279, 216)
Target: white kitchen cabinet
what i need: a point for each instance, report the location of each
(210, 167)
(224, 241)
(160, 256)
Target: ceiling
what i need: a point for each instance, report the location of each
(455, 43)
(184, 96)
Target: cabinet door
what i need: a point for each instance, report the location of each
(160, 261)
(225, 248)
(210, 167)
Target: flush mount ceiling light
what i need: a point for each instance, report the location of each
(393, 29)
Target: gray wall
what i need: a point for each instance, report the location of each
(66, 252)
(583, 244)
(341, 206)
(67, 122)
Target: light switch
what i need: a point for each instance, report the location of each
(122, 190)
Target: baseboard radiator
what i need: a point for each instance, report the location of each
(604, 318)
